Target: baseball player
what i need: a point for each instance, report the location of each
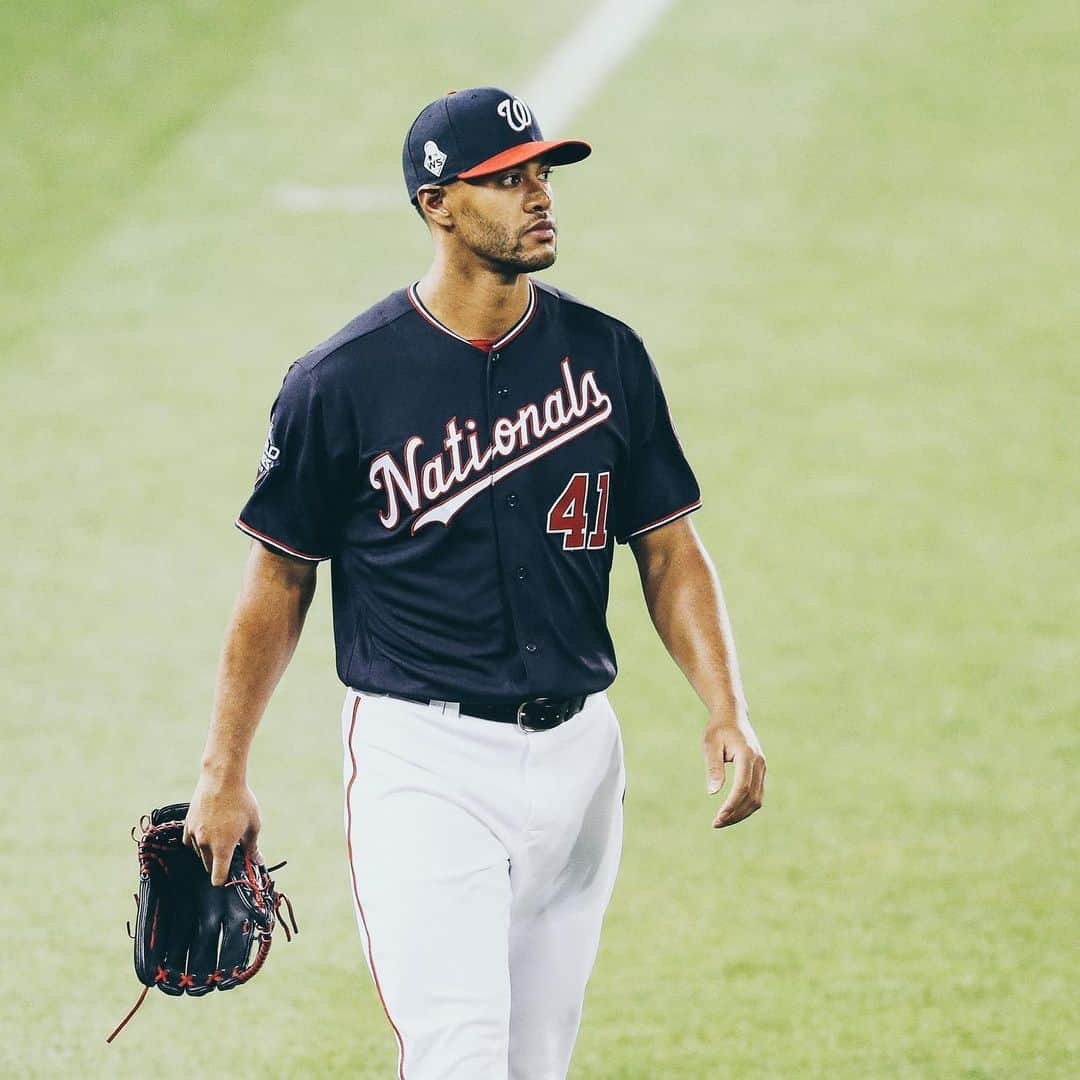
(465, 454)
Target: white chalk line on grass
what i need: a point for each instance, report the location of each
(577, 68)
(564, 83)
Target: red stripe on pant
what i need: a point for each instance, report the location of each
(356, 893)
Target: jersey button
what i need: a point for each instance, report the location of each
(494, 357)
(503, 391)
(522, 573)
(512, 500)
(531, 646)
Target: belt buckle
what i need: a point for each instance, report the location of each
(522, 726)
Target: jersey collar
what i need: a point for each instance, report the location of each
(513, 332)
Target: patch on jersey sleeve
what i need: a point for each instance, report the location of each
(270, 455)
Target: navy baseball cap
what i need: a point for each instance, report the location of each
(477, 132)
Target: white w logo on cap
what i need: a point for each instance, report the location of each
(515, 112)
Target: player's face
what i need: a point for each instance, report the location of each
(506, 218)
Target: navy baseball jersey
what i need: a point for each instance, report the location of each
(469, 494)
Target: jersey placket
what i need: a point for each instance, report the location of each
(526, 630)
(512, 536)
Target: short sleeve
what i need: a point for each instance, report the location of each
(658, 485)
(295, 507)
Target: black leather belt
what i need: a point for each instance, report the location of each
(532, 714)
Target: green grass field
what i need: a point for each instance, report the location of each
(850, 234)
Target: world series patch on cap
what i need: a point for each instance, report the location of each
(477, 132)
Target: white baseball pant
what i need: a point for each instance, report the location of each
(482, 858)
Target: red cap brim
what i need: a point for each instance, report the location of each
(559, 152)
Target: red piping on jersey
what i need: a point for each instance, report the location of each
(243, 526)
(526, 318)
(666, 519)
(356, 893)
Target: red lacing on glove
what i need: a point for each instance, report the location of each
(257, 878)
(134, 1010)
(155, 842)
(261, 954)
(283, 899)
(265, 938)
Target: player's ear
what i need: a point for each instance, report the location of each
(432, 204)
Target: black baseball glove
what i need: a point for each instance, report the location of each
(192, 937)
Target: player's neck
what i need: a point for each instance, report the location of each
(476, 303)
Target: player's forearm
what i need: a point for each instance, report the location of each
(259, 642)
(687, 607)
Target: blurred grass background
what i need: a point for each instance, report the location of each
(850, 236)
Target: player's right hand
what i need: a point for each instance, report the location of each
(222, 814)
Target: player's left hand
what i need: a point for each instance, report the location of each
(733, 739)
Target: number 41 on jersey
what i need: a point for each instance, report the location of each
(569, 513)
